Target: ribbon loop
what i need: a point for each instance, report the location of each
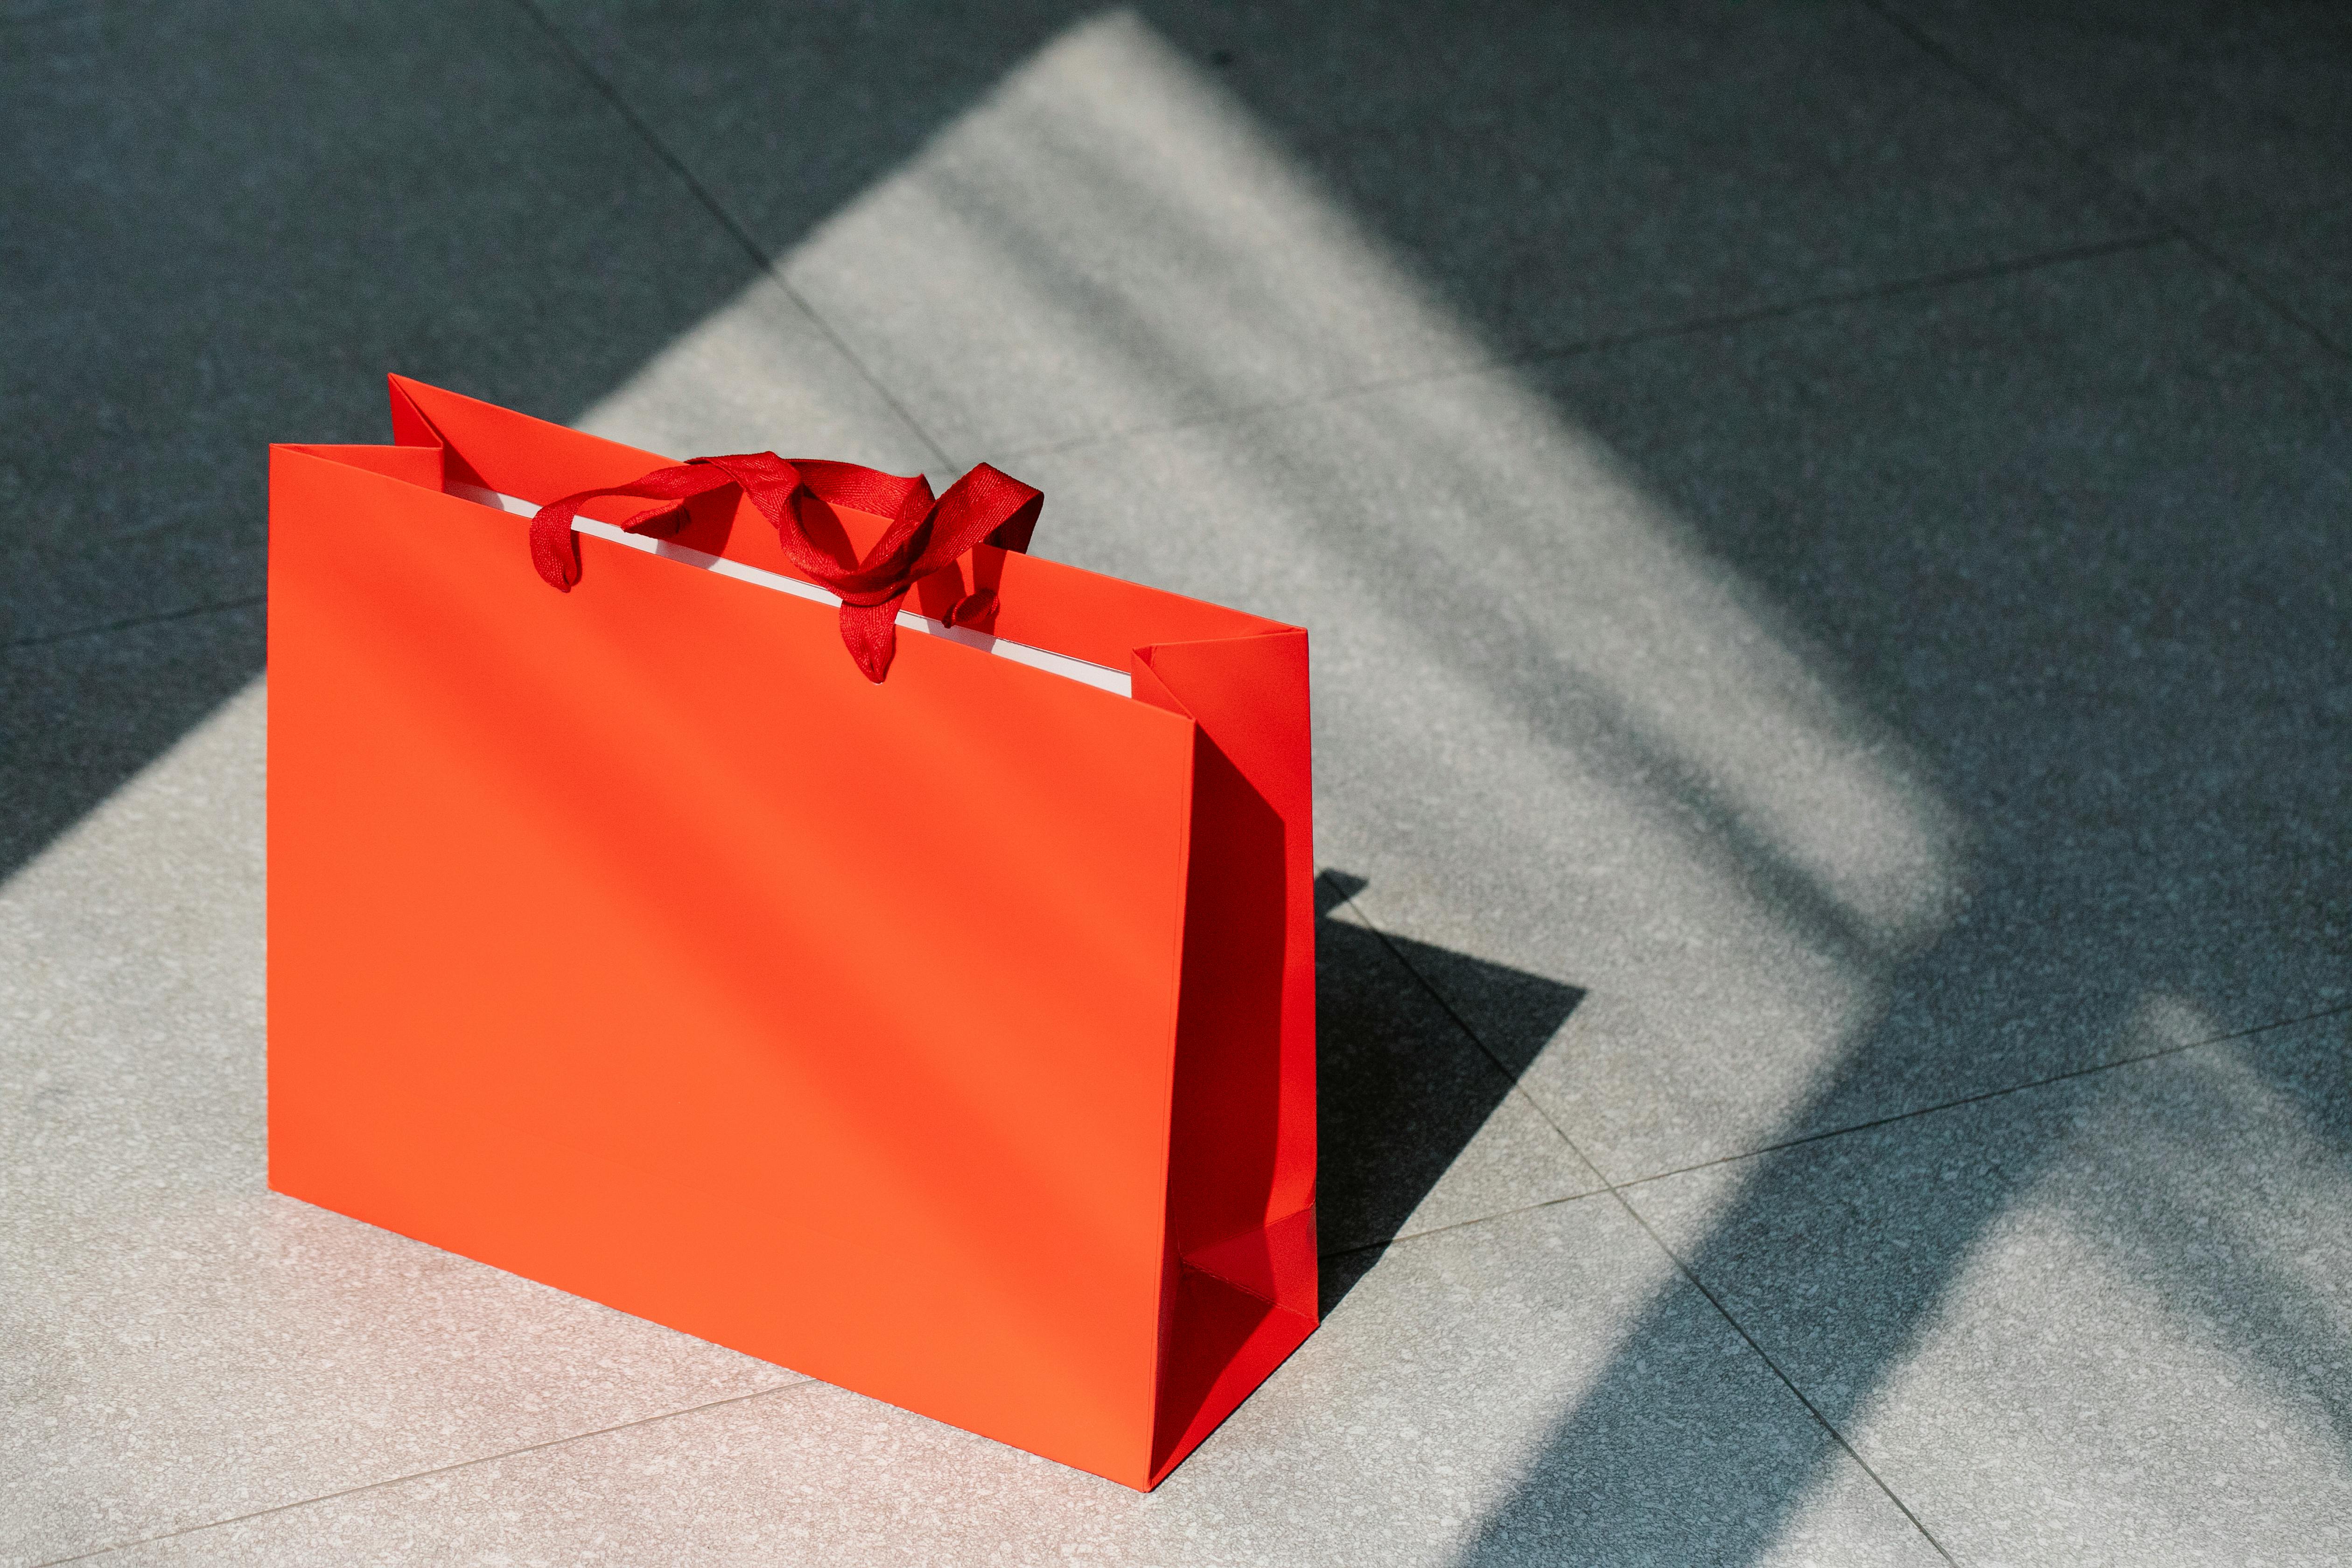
(924, 535)
(556, 553)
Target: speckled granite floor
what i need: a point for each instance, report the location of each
(1828, 535)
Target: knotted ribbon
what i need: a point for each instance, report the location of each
(985, 506)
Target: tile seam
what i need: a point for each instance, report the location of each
(1689, 1275)
(133, 623)
(1403, 1237)
(2015, 266)
(1630, 1182)
(798, 1382)
(1348, 901)
(734, 228)
(1994, 93)
(2092, 1069)
(2263, 296)
(1606, 343)
(1786, 1382)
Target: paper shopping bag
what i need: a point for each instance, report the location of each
(914, 991)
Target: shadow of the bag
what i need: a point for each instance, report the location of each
(1403, 1088)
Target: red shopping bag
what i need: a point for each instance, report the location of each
(916, 992)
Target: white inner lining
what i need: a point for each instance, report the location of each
(1096, 675)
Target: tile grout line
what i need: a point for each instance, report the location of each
(1763, 1150)
(1583, 347)
(135, 622)
(2113, 1065)
(1689, 1275)
(726, 220)
(1786, 1382)
(1402, 1236)
(2178, 230)
(799, 1382)
(2015, 266)
(1339, 395)
(1517, 1091)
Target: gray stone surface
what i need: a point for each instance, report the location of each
(182, 1346)
(1420, 1127)
(759, 375)
(81, 713)
(2100, 1321)
(1429, 1395)
(1112, 219)
(1885, 661)
(2212, 113)
(2304, 263)
(225, 227)
(1867, 707)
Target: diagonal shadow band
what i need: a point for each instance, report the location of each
(1402, 1086)
(480, 278)
(1832, 1258)
(224, 229)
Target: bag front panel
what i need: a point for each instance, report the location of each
(632, 941)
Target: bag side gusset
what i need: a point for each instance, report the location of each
(1240, 1289)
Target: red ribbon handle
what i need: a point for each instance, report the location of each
(985, 506)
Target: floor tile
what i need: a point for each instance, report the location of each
(2100, 1321)
(2304, 263)
(1109, 241)
(182, 1346)
(757, 375)
(2213, 113)
(79, 715)
(1735, 731)
(225, 226)
(1419, 1128)
(58, 588)
(1863, 709)
(1043, 222)
(1485, 1366)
